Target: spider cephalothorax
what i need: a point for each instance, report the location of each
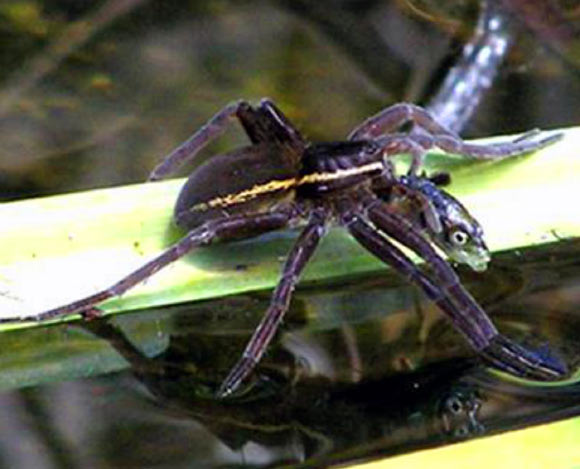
(280, 179)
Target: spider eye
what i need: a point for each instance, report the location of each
(459, 238)
(371, 148)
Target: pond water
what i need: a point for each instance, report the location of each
(362, 368)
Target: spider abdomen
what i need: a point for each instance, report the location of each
(247, 180)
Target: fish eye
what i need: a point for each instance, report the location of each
(459, 237)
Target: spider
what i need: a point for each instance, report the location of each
(280, 179)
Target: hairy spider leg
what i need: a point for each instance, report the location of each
(214, 127)
(454, 299)
(499, 351)
(263, 124)
(387, 189)
(393, 117)
(426, 206)
(213, 230)
(528, 135)
(477, 328)
(268, 124)
(489, 151)
(428, 133)
(296, 261)
(414, 144)
(417, 143)
(377, 243)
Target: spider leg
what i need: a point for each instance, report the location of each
(478, 333)
(416, 143)
(456, 301)
(422, 204)
(496, 349)
(395, 116)
(427, 133)
(528, 135)
(191, 147)
(264, 333)
(268, 123)
(261, 124)
(211, 231)
(518, 146)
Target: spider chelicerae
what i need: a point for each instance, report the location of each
(281, 179)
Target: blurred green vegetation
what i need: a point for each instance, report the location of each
(93, 94)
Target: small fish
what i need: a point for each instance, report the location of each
(446, 221)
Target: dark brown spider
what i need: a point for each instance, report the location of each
(281, 179)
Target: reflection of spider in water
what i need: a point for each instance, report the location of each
(280, 179)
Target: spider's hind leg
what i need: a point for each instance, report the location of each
(209, 232)
(265, 123)
(191, 147)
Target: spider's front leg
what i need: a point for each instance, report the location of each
(520, 145)
(393, 117)
(211, 231)
(418, 142)
(446, 291)
(384, 128)
(478, 329)
(297, 259)
(427, 133)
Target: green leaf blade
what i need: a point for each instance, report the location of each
(58, 249)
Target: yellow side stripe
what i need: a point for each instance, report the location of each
(284, 184)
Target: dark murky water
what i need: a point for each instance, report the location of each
(363, 368)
